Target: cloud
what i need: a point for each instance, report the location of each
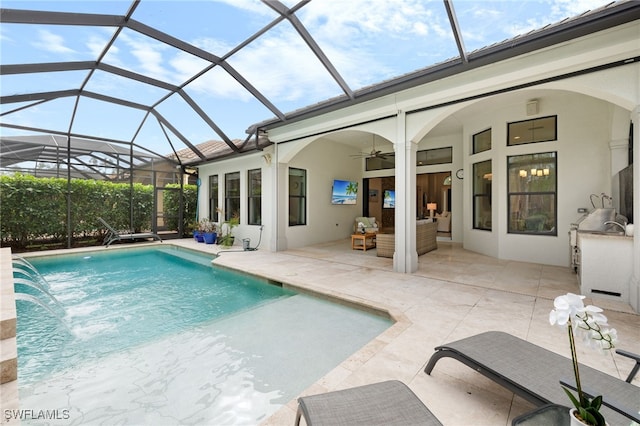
(97, 42)
(488, 22)
(51, 43)
(378, 33)
(283, 67)
(561, 9)
(253, 6)
(340, 20)
(4, 38)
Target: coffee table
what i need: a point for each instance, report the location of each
(363, 241)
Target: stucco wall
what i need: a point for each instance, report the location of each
(583, 155)
(325, 161)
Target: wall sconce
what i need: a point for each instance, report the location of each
(523, 173)
(534, 172)
(431, 207)
(545, 172)
(267, 159)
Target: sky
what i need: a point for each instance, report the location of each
(367, 41)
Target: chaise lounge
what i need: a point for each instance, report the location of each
(113, 235)
(534, 373)
(386, 403)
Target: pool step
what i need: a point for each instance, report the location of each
(8, 348)
(8, 360)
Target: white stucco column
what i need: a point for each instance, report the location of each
(634, 285)
(281, 214)
(405, 258)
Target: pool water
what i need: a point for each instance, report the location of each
(117, 300)
(160, 336)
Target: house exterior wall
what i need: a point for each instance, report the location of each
(596, 95)
(243, 165)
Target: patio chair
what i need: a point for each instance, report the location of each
(385, 403)
(113, 235)
(534, 373)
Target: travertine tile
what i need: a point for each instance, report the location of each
(454, 294)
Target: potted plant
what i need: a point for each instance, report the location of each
(586, 322)
(208, 230)
(227, 238)
(199, 236)
(195, 227)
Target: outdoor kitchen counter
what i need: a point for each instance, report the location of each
(606, 264)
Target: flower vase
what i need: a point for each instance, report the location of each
(574, 421)
(210, 237)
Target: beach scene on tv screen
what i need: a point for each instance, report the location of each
(389, 201)
(344, 192)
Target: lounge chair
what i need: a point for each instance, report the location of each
(386, 403)
(534, 373)
(113, 235)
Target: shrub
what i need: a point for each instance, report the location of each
(34, 208)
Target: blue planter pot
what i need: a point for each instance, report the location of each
(200, 237)
(210, 237)
(195, 235)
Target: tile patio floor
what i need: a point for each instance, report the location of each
(454, 294)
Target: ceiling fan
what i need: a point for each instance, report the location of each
(374, 152)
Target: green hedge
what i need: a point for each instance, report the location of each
(171, 205)
(36, 208)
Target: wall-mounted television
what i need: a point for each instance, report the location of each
(389, 201)
(344, 192)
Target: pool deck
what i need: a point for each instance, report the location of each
(454, 294)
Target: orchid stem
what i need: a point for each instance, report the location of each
(574, 359)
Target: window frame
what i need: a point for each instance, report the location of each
(300, 199)
(533, 140)
(481, 195)
(554, 194)
(214, 201)
(475, 141)
(254, 197)
(434, 161)
(229, 212)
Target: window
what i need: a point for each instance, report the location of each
(482, 177)
(213, 198)
(385, 162)
(532, 188)
(429, 157)
(482, 141)
(537, 130)
(297, 197)
(231, 195)
(255, 197)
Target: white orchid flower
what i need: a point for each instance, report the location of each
(586, 322)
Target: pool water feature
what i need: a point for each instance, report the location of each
(159, 336)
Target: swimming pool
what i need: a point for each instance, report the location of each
(159, 336)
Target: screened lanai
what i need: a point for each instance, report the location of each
(138, 92)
